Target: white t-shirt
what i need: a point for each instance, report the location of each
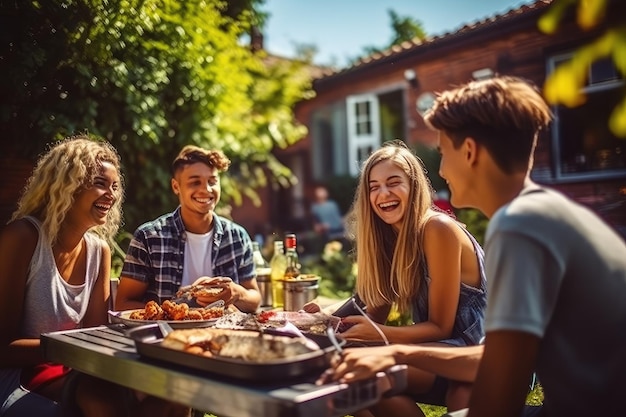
(557, 271)
(197, 257)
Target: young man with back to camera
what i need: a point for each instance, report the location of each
(556, 272)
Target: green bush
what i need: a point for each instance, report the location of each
(475, 221)
(336, 268)
(431, 159)
(118, 252)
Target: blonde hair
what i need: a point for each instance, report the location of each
(68, 166)
(390, 263)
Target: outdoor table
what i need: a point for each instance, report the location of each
(106, 352)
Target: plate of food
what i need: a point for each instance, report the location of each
(177, 315)
(241, 354)
(315, 323)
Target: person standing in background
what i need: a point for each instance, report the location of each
(327, 218)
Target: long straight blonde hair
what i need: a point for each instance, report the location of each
(68, 166)
(390, 263)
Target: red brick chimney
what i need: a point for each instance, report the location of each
(256, 39)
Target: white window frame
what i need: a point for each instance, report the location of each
(362, 141)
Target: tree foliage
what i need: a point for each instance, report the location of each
(565, 85)
(404, 29)
(150, 76)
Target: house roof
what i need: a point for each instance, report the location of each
(415, 45)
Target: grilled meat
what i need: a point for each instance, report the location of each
(240, 344)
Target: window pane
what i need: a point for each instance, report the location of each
(363, 109)
(603, 70)
(364, 152)
(561, 60)
(364, 128)
(585, 140)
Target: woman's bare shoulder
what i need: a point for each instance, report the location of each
(439, 223)
(442, 229)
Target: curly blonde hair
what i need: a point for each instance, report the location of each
(69, 165)
(390, 262)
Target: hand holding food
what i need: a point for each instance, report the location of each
(207, 290)
(211, 281)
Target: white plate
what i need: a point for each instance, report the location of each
(124, 318)
(305, 322)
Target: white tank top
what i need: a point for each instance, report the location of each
(50, 303)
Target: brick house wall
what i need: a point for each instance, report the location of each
(507, 44)
(510, 44)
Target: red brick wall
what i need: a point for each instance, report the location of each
(515, 49)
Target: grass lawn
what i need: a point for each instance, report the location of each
(535, 397)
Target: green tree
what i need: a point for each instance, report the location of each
(404, 29)
(150, 76)
(606, 21)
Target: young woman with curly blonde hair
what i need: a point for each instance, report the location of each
(55, 266)
(55, 263)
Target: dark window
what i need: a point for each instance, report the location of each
(583, 142)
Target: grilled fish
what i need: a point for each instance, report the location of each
(247, 345)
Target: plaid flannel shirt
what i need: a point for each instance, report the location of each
(156, 254)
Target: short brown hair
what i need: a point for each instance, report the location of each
(503, 114)
(191, 154)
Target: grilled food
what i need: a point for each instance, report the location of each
(315, 323)
(171, 310)
(240, 344)
(195, 291)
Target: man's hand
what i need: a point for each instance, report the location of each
(245, 296)
(229, 293)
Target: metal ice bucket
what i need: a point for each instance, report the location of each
(300, 290)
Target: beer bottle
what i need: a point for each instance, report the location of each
(292, 270)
